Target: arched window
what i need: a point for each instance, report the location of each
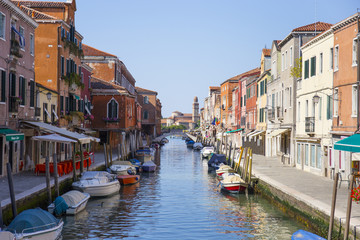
(112, 109)
(146, 99)
(146, 114)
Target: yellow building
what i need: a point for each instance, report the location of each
(47, 102)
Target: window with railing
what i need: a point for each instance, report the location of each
(309, 124)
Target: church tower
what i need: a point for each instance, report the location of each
(195, 113)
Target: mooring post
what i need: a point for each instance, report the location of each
(333, 204)
(47, 173)
(1, 217)
(111, 157)
(81, 159)
(74, 161)
(349, 205)
(118, 151)
(105, 155)
(56, 176)
(11, 188)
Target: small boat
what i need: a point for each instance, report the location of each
(144, 154)
(163, 141)
(128, 179)
(149, 166)
(197, 146)
(36, 224)
(136, 163)
(207, 151)
(69, 203)
(6, 235)
(233, 183)
(301, 234)
(122, 168)
(97, 183)
(223, 168)
(216, 160)
(190, 143)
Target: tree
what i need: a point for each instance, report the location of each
(296, 71)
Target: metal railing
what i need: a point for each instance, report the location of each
(309, 124)
(13, 104)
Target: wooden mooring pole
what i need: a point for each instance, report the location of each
(11, 188)
(47, 174)
(333, 204)
(349, 205)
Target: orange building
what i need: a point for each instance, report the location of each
(226, 100)
(58, 52)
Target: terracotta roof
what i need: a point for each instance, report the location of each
(266, 52)
(255, 71)
(215, 88)
(36, 14)
(97, 83)
(90, 51)
(144, 90)
(318, 26)
(277, 41)
(41, 4)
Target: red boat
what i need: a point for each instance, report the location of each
(233, 183)
(128, 179)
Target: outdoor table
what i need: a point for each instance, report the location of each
(40, 168)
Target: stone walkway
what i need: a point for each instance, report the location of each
(315, 191)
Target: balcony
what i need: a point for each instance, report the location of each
(280, 113)
(15, 49)
(271, 114)
(310, 125)
(13, 104)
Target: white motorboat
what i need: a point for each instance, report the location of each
(122, 168)
(144, 154)
(207, 151)
(36, 224)
(97, 183)
(197, 146)
(224, 169)
(69, 203)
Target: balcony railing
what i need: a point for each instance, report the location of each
(271, 114)
(310, 124)
(13, 104)
(37, 111)
(280, 112)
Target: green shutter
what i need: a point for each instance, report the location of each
(265, 85)
(3, 86)
(328, 115)
(23, 91)
(306, 69)
(313, 66)
(32, 93)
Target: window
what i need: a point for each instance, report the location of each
(2, 25)
(298, 160)
(32, 93)
(318, 156)
(45, 112)
(61, 104)
(313, 66)
(306, 154)
(146, 100)
(22, 90)
(3, 86)
(354, 101)
(291, 56)
(290, 96)
(62, 66)
(21, 31)
(329, 108)
(286, 59)
(321, 63)
(320, 108)
(112, 109)
(306, 69)
(282, 62)
(312, 156)
(298, 112)
(306, 108)
(12, 84)
(336, 58)
(62, 32)
(313, 109)
(32, 44)
(331, 58)
(265, 83)
(354, 52)
(336, 106)
(89, 82)
(298, 85)
(146, 115)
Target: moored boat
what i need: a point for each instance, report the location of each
(190, 143)
(302, 234)
(69, 203)
(207, 151)
(97, 183)
(197, 146)
(122, 168)
(233, 183)
(128, 179)
(216, 160)
(144, 154)
(149, 166)
(36, 224)
(223, 168)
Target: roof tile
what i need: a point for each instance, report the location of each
(318, 26)
(90, 51)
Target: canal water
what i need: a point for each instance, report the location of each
(181, 200)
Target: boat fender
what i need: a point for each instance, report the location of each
(60, 206)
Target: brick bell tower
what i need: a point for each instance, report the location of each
(195, 112)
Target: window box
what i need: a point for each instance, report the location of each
(106, 119)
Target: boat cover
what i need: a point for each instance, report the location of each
(224, 167)
(197, 145)
(216, 159)
(33, 220)
(94, 174)
(149, 164)
(232, 178)
(73, 197)
(60, 206)
(301, 234)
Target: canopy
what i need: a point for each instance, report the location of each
(258, 132)
(32, 220)
(50, 128)
(278, 132)
(11, 135)
(349, 144)
(53, 138)
(233, 131)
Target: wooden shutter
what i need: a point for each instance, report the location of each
(3, 86)
(306, 73)
(32, 93)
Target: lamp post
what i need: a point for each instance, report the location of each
(316, 98)
(49, 95)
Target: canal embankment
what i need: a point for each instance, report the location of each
(302, 195)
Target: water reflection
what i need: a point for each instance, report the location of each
(181, 200)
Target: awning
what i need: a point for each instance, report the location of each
(87, 109)
(47, 113)
(278, 132)
(349, 144)
(53, 138)
(53, 111)
(253, 134)
(11, 135)
(63, 132)
(233, 131)
(75, 96)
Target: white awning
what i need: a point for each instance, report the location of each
(278, 132)
(63, 132)
(53, 111)
(47, 113)
(53, 138)
(253, 134)
(87, 109)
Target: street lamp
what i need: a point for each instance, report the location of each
(48, 95)
(316, 98)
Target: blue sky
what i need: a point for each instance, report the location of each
(180, 48)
